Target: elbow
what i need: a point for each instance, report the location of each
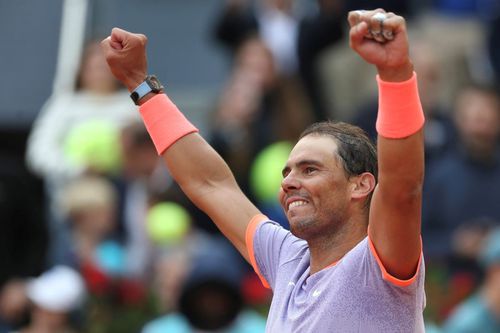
(405, 191)
(408, 196)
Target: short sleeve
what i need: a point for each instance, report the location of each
(269, 246)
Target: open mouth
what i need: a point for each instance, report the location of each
(297, 203)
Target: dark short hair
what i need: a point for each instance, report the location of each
(357, 152)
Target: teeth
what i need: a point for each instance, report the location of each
(296, 204)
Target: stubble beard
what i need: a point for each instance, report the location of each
(302, 228)
(314, 227)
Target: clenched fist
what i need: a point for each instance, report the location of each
(125, 53)
(381, 39)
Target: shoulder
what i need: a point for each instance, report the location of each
(272, 231)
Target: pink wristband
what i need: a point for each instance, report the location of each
(400, 113)
(164, 122)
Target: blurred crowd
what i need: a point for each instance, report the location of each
(121, 249)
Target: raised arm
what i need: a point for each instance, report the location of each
(395, 212)
(198, 169)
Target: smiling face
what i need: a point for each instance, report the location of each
(316, 191)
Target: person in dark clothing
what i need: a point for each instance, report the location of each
(315, 33)
(463, 185)
(23, 238)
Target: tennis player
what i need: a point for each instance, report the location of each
(352, 261)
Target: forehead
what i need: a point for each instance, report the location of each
(314, 147)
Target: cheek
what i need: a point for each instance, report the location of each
(281, 196)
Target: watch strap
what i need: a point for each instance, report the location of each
(142, 90)
(147, 86)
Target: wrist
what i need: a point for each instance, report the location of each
(146, 98)
(134, 80)
(400, 112)
(400, 73)
(149, 87)
(164, 122)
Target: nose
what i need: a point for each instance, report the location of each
(290, 182)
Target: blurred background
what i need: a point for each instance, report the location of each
(96, 237)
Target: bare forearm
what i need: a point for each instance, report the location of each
(199, 170)
(401, 164)
(381, 39)
(209, 183)
(195, 165)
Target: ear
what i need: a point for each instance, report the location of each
(362, 185)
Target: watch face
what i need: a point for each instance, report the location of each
(154, 83)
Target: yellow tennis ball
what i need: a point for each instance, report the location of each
(265, 173)
(167, 222)
(94, 144)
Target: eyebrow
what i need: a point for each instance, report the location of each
(302, 163)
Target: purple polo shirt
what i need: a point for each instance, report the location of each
(356, 294)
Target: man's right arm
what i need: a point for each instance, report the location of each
(208, 182)
(197, 168)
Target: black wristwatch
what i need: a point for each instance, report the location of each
(151, 84)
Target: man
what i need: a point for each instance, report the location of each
(334, 277)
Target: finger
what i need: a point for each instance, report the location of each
(116, 45)
(354, 17)
(377, 26)
(375, 20)
(142, 38)
(118, 35)
(357, 33)
(122, 39)
(106, 45)
(386, 31)
(117, 38)
(374, 26)
(366, 15)
(392, 26)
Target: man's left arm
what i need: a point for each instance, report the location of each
(395, 212)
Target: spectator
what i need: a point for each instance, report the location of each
(141, 175)
(462, 185)
(95, 101)
(211, 298)
(255, 109)
(96, 96)
(54, 296)
(90, 205)
(481, 311)
(23, 239)
(295, 43)
(272, 20)
(317, 33)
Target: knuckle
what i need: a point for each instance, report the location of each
(143, 39)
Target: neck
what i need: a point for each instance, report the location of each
(328, 248)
